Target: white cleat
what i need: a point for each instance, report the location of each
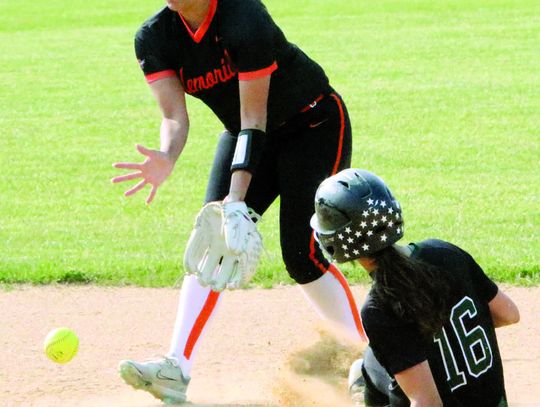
(357, 383)
(161, 377)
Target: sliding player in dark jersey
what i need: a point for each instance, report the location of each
(431, 313)
(293, 131)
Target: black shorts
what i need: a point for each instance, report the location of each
(297, 157)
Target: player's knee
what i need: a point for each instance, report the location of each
(300, 267)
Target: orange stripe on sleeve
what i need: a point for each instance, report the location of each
(200, 322)
(246, 76)
(159, 75)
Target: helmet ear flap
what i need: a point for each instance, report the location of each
(330, 250)
(329, 218)
(327, 243)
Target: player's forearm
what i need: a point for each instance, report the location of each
(240, 179)
(173, 136)
(419, 386)
(239, 185)
(253, 116)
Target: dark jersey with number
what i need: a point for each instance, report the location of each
(464, 356)
(238, 40)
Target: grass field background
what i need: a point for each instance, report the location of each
(443, 96)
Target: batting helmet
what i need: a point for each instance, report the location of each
(356, 215)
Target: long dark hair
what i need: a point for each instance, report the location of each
(414, 290)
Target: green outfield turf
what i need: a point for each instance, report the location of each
(443, 96)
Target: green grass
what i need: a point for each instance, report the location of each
(443, 98)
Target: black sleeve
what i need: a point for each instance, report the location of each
(151, 53)
(397, 345)
(485, 287)
(250, 38)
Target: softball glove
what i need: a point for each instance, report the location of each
(224, 248)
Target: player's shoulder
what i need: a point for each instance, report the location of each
(156, 23)
(440, 252)
(375, 316)
(243, 14)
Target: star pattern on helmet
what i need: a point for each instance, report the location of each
(379, 223)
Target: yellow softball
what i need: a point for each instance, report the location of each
(61, 345)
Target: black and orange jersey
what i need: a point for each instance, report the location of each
(464, 356)
(238, 40)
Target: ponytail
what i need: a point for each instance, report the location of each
(412, 289)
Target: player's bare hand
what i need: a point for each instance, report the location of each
(154, 170)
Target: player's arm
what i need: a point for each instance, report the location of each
(159, 164)
(419, 386)
(170, 97)
(253, 115)
(503, 310)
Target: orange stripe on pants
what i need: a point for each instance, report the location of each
(341, 132)
(343, 282)
(200, 322)
(352, 303)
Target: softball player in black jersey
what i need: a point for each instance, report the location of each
(431, 313)
(295, 132)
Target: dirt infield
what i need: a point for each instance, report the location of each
(242, 360)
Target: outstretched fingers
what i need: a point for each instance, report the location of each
(128, 166)
(150, 171)
(127, 177)
(146, 151)
(152, 194)
(136, 188)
